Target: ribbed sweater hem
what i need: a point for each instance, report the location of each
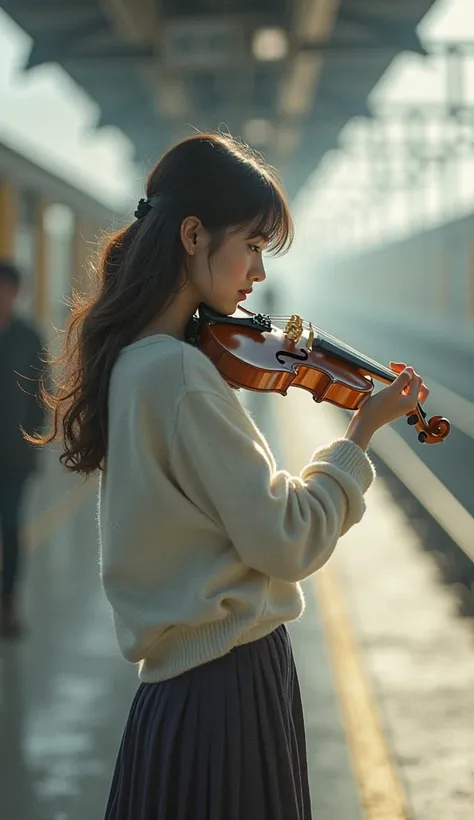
(191, 647)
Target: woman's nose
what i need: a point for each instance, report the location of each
(258, 273)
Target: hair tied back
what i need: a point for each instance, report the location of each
(145, 205)
(142, 209)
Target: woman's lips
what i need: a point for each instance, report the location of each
(245, 293)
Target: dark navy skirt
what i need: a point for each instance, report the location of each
(223, 741)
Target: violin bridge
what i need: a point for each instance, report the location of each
(310, 341)
(294, 328)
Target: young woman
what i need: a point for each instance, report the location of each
(203, 542)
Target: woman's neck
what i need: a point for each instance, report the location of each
(174, 320)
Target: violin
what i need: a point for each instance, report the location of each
(251, 352)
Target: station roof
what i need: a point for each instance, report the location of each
(285, 75)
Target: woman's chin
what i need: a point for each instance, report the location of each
(225, 307)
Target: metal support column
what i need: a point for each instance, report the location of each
(41, 302)
(8, 219)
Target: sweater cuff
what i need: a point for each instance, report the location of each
(347, 457)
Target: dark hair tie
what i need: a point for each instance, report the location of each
(142, 209)
(145, 205)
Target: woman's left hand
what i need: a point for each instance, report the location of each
(397, 368)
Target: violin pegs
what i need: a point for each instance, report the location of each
(412, 419)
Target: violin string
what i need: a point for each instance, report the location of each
(306, 324)
(330, 338)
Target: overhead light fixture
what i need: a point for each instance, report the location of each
(316, 18)
(270, 44)
(205, 43)
(298, 88)
(257, 131)
(172, 98)
(286, 142)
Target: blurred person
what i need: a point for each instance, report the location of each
(203, 543)
(20, 365)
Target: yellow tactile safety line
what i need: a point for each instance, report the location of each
(381, 794)
(380, 791)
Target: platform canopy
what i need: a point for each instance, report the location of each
(285, 75)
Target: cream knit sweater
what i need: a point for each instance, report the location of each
(202, 540)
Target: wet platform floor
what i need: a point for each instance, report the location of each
(65, 690)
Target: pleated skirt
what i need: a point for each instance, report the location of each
(223, 741)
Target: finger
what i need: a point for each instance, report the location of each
(423, 390)
(397, 366)
(423, 394)
(403, 380)
(418, 379)
(412, 392)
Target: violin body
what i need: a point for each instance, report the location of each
(269, 361)
(252, 353)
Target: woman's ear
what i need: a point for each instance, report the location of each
(192, 234)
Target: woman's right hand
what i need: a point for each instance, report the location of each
(393, 402)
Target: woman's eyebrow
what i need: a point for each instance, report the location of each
(259, 238)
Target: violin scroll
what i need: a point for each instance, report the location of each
(251, 352)
(433, 431)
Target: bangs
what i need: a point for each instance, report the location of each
(274, 222)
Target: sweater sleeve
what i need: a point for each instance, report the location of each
(281, 525)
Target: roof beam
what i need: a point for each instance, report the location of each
(378, 29)
(52, 16)
(58, 51)
(347, 46)
(59, 45)
(314, 22)
(136, 21)
(314, 19)
(334, 106)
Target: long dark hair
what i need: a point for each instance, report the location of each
(211, 176)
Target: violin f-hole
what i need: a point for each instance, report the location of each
(302, 356)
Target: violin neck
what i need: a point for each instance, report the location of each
(370, 367)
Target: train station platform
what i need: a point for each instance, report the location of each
(386, 665)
